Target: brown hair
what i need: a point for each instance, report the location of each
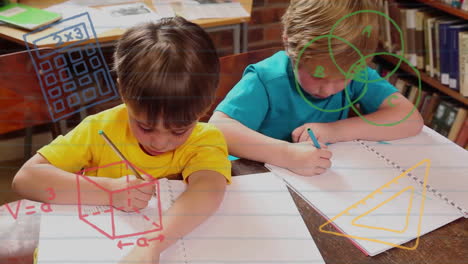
(168, 69)
(305, 20)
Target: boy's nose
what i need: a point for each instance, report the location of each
(159, 143)
(326, 90)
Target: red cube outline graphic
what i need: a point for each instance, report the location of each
(158, 226)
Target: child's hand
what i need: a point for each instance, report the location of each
(304, 159)
(141, 255)
(322, 131)
(135, 198)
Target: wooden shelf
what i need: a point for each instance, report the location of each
(446, 8)
(428, 80)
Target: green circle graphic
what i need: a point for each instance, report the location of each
(402, 43)
(414, 105)
(350, 75)
(296, 68)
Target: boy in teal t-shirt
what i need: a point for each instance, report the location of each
(266, 115)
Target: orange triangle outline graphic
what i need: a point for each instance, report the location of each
(425, 162)
(408, 211)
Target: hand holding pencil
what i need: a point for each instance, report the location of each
(321, 132)
(134, 198)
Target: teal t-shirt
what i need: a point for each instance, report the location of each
(266, 99)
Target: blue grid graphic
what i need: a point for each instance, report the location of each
(74, 76)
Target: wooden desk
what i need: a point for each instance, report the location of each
(238, 26)
(445, 245)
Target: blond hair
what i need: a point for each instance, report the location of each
(306, 20)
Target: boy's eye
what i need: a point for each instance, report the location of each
(145, 129)
(179, 133)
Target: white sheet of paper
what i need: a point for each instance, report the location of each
(224, 10)
(64, 238)
(126, 16)
(355, 174)
(102, 22)
(449, 162)
(100, 2)
(164, 10)
(107, 18)
(257, 222)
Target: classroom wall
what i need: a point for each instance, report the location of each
(264, 31)
(264, 28)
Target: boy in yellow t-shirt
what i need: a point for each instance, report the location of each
(167, 76)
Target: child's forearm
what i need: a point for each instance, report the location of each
(357, 128)
(40, 181)
(246, 143)
(201, 199)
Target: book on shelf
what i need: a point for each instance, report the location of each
(435, 100)
(424, 95)
(388, 25)
(434, 41)
(431, 45)
(440, 115)
(462, 138)
(454, 54)
(404, 87)
(449, 122)
(412, 33)
(426, 38)
(463, 62)
(420, 44)
(395, 36)
(424, 106)
(408, 89)
(442, 62)
(444, 117)
(445, 49)
(458, 124)
(413, 94)
(401, 86)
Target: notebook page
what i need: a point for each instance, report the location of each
(356, 173)
(64, 238)
(250, 225)
(449, 162)
(258, 222)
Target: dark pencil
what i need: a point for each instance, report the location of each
(116, 150)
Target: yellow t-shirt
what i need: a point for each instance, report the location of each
(83, 147)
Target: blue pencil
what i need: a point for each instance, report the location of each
(314, 139)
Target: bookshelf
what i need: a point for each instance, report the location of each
(425, 78)
(436, 84)
(446, 8)
(434, 40)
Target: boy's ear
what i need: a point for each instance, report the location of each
(117, 83)
(285, 41)
(118, 88)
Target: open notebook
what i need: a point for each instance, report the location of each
(257, 222)
(367, 196)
